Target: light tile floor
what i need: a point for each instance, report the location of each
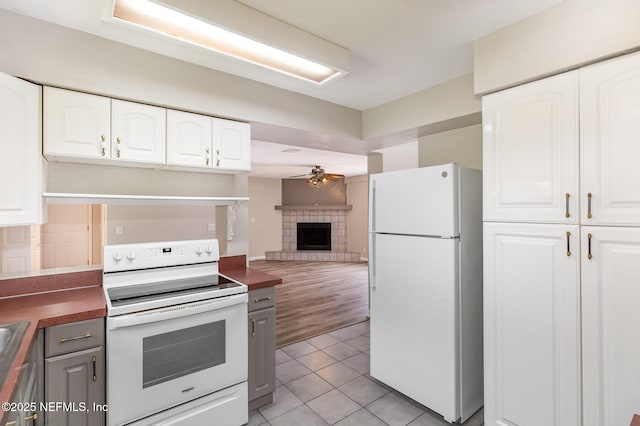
(325, 381)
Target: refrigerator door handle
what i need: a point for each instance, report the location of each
(372, 265)
(373, 205)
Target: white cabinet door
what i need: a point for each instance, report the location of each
(189, 141)
(76, 124)
(20, 152)
(138, 132)
(531, 325)
(530, 152)
(610, 323)
(610, 142)
(232, 143)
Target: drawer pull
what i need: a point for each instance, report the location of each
(70, 339)
(589, 196)
(264, 299)
(11, 423)
(568, 244)
(589, 255)
(33, 417)
(567, 196)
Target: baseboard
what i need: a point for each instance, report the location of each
(256, 258)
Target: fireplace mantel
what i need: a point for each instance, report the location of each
(314, 207)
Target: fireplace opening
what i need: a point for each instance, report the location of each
(314, 236)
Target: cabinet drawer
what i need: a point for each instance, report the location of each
(75, 336)
(261, 298)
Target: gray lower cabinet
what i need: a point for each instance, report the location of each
(262, 347)
(29, 391)
(75, 374)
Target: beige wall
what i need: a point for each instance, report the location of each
(357, 218)
(400, 157)
(572, 33)
(443, 107)
(60, 56)
(265, 222)
(143, 224)
(462, 146)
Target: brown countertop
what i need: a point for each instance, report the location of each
(50, 300)
(234, 267)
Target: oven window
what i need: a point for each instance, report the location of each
(171, 355)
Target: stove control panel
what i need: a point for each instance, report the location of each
(126, 257)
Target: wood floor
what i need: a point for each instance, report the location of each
(316, 297)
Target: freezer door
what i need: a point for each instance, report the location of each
(421, 201)
(413, 318)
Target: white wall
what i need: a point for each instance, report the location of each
(357, 218)
(462, 146)
(265, 222)
(142, 224)
(400, 157)
(572, 33)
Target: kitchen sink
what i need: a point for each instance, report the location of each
(10, 339)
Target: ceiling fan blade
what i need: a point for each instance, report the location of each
(333, 176)
(299, 176)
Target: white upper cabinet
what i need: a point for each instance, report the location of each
(21, 169)
(610, 142)
(610, 321)
(85, 128)
(138, 131)
(76, 124)
(532, 325)
(232, 145)
(189, 139)
(530, 152)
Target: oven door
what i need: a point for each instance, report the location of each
(161, 358)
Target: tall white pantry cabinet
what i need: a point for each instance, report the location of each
(562, 248)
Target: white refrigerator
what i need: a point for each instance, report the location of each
(425, 276)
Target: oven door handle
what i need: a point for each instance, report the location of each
(178, 311)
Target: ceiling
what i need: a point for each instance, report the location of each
(397, 48)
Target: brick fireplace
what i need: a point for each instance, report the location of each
(326, 206)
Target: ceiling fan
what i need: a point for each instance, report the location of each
(318, 175)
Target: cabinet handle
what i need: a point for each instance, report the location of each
(567, 196)
(70, 339)
(33, 417)
(102, 149)
(589, 256)
(217, 158)
(93, 360)
(264, 299)
(253, 326)
(589, 216)
(207, 150)
(568, 244)
(11, 423)
(118, 147)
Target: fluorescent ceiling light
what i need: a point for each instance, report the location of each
(173, 23)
